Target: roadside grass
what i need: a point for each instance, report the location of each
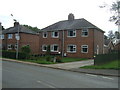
(111, 65)
(42, 60)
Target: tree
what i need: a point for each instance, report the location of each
(115, 8)
(32, 28)
(117, 35)
(111, 35)
(105, 37)
(26, 50)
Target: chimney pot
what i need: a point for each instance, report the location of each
(71, 16)
(16, 24)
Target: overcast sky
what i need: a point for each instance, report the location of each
(41, 13)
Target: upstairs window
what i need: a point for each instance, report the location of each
(2, 36)
(54, 48)
(84, 32)
(44, 34)
(71, 33)
(84, 48)
(44, 47)
(71, 48)
(10, 36)
(55, 34)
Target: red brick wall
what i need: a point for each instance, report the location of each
(78, 41)
(98, 40)
(26, 39)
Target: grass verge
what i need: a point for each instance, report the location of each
(111, 65)
(68, 59)
(42, 60)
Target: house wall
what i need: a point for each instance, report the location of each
(25, 39)
(32, 40)
(117, 47)
(78, 41)
(98, 40)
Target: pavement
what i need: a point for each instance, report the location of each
(74, 67)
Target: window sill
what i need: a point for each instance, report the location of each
(71, 36)
(71, 52)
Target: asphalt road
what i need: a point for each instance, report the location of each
(18, 75)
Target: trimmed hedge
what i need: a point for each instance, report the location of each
(105, 58)
(12, 54)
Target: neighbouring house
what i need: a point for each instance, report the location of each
(108, 46)
(117, 45)
(26, 36)
(72, 38)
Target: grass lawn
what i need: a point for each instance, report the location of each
(111, 65)
(67, 59)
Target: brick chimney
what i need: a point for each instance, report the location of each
(16, 24)
(71, 17)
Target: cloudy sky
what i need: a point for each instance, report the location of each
(41, 13)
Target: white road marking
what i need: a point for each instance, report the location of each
(107, 77)
(91, 75)
(46, 84)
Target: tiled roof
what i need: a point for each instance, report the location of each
(22, 29)
(71, 24)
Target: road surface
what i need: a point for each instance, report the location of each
(18, 75)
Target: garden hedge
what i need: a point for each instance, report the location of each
(12, 54)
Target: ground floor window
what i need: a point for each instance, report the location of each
(71, 48)
(54, 48)
(44, 47)
(10, 46)
(16, 46)
(84, 48)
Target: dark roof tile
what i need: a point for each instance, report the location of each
(22, 29)
(70, 24)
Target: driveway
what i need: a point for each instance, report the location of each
(72, 65)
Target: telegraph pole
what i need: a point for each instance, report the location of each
(17, 37)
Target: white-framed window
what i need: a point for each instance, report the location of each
(71, 33)
(2, 36)
(71, 48)
(84, 48)
(55, 34)
(10, 36)
(44, 47)
(45, 34)
(54, 48)
(9, 46)
(84, 32)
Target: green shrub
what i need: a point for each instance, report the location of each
(25, 49)
(48, 50)
(58, 59)
(12, 54)
(48, 58)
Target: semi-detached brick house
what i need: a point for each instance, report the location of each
(27, 37)
(72, 38)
